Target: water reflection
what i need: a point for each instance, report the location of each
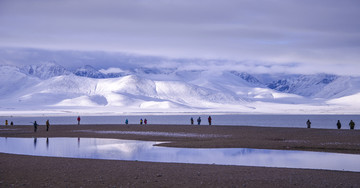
(35, 141)
(97, 148)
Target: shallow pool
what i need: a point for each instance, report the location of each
(115, 149)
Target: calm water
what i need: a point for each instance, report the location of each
(318, 121)
(115, 149)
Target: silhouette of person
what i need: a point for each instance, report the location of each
(352, 124)
(338, 124)
(199, 120)
(47, 125)
(308, 123)
(78, 119)
(35, 126)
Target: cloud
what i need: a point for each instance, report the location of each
(319, 32)
(113, 63)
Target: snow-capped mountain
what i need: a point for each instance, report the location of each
(45, 70)
(304, 85)
(248, 78)
(51, 87)
(89, 71)
(13, 81)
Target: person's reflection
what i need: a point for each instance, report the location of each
(47, 143)
(78, 142)
(35, 141)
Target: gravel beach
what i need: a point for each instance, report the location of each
(34, 171)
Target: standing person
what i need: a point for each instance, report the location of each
(145, 121)
(78, 119)
(126, 121)
(338, 124)
(47, 125)
(199, 120)
(209, 120)
(352, 124)
(308, 123)
(192, 120)
(35, 126)
(6, 122)
(12, 123)
(141, 121)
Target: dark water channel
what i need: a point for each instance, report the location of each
(115, 149)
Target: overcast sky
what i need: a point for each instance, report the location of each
(319, 33)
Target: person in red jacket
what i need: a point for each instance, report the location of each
(209, 120)
(78, 119)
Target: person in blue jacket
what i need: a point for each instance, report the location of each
(199, 120)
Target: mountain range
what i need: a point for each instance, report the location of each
(50, 88)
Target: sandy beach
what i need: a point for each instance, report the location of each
(32, 171)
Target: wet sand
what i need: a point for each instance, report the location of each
(31, 171)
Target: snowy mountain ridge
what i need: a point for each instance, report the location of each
(304, 85)
(50, 87)
(45, 70)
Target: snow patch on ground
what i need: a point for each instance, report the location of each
(95, 100)
(348, 100)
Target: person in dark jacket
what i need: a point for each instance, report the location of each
(209, 120)
(47, 125)
(308, 123)
(192, 121)
(338, 124)
(35, 126)
(352, 124)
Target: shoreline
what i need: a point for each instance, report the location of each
(18, 170)
(259, 120)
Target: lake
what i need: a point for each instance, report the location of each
(132, 150)
(318, 121)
